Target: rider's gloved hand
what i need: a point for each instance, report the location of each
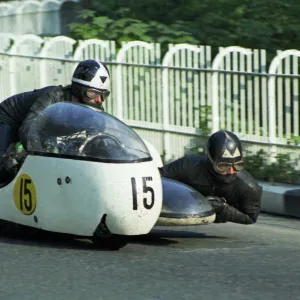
(218, 203)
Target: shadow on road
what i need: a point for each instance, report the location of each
(15, 235)
(19, 235)
(182, 234)
(165, 237)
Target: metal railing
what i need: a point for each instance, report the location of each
(176, 99)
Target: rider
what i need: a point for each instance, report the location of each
(220, 176)
(90, 85)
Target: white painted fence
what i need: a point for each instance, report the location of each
(31, 16)
(175, 99)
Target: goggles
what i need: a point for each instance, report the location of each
(93, 93)
(222, 167)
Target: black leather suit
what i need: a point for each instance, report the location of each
(242, 192)
(19, 111)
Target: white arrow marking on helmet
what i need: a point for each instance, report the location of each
(228, 136)
(227, 154)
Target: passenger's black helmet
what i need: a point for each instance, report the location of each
(224, 150)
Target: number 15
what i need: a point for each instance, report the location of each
(146, 190)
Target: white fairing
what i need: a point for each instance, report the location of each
(154, 153)
(95, 189)
(83, 165)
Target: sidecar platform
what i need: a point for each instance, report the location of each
(183, 206)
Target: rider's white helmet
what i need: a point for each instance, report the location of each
(89, 78)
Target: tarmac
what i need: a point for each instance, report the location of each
(216, 261)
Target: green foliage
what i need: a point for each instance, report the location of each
(281, 171)
(128, 29)
(94, 27)
(294, 140)
(270, 25)
(205, 119)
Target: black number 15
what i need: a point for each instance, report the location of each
(25, 191)
(149, 200)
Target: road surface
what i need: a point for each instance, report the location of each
(217, 261)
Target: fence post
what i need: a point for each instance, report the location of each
(167, 60)
(120, 59)
(215, 81)
(272, 98)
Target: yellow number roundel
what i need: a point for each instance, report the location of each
(25, 194)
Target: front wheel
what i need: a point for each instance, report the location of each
(113, 242)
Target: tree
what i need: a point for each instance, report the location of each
(270, 24)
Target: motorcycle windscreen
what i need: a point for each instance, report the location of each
(71, 129)
(183, 205)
